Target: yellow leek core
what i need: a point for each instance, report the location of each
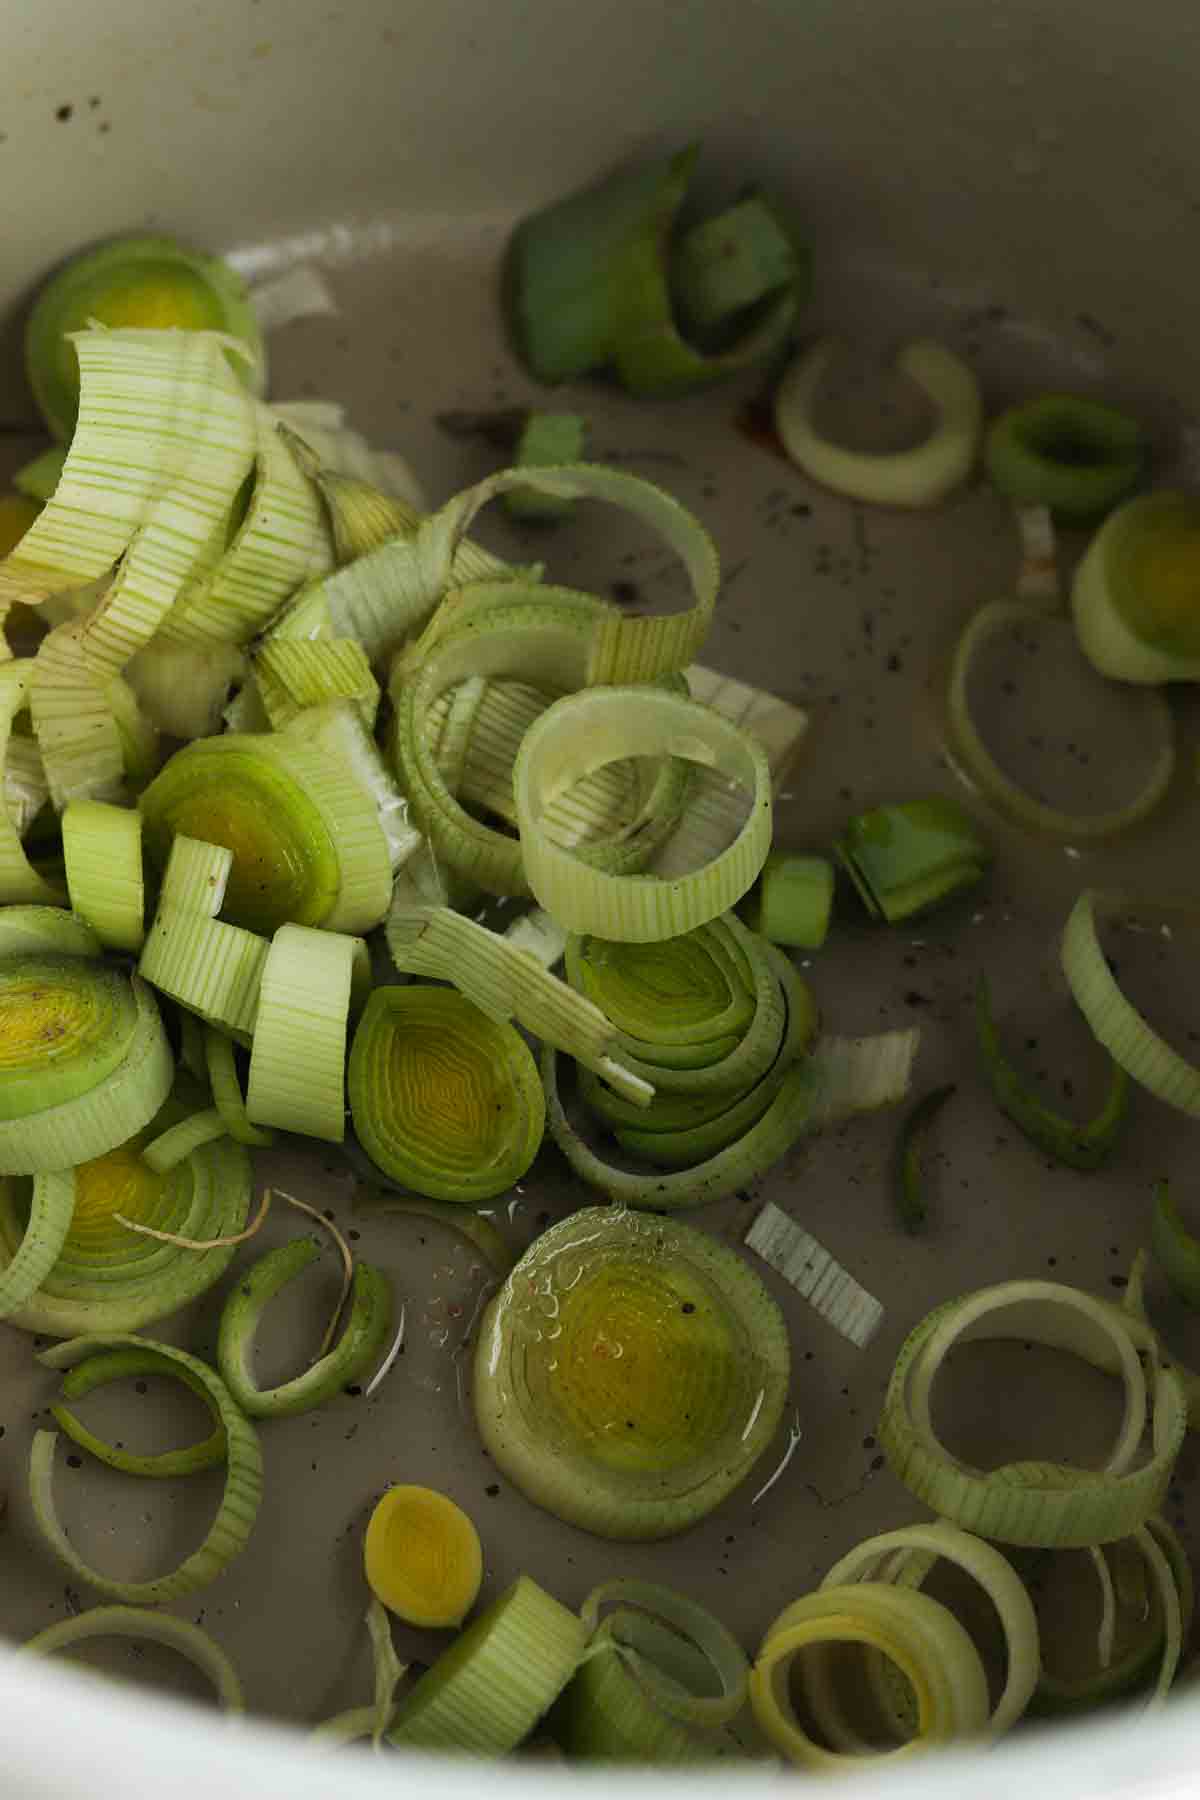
(422, 1557)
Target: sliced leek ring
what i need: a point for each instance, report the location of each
(138, 1622)
(422, 1557)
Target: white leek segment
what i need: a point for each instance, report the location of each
(230, 1529)
(1116, 1022)
(488, 1692)
(505, 983)
(137, 1622)
(583, 732)
(297, 1064)
(816, 1276)
(1037, 1503)
(185, 687)
(19, 880)
(922, 1640)
(102, 852)
(917, 477)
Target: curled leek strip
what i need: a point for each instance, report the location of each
(703, 1655)
(873, 1561)
(1133, 596)
(583, 732)
(925, 1643)
(102, 851)
(106, 1278)
(297, 1064)
(445, 1099)
(32, 930)
(50, 1212)
(1113, 714)
(486, 1694)
(422, 1557)
(1082, 1146)
(112, 1074)
(235, 1517)
(184, 688)
(119, 1365)
(1036, 1504)
(1076, 456)
(641, 1444)
(221, 1070)
(1115, 1021)
(910, 1158)
(176, 1143)
(918, 477)
(20, 882)
(157, 1628)
(363, 1334)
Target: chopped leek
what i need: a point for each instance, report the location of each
(910, 1158)
(184, 688)
(297, 1065)
(1086, 1146)
(102, 851)
(629, 1373)
(1176, 1250)
(365, 1330)
(792, 900)
(123, 1365)
(1076, 456)
(817, 1276)
(231, 1527)
(1134, 593)
(292, 675)
(19, 881)
(731, 262)
(546, 439)
(221, 1070)
(422, 1557)
(445, 1098)
(918, 477)
(137, 1623)
(907, 858)
(32, 930)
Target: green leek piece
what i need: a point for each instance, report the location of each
(729, 263)
(792, 900)
(911, 478)
(1076, 456)
(102, 853)
(212, 969)
(38, 1241)
(908, 858)
(1136, 595)
(662, 1384)
(32, 930)
(1086, 1146)
(445, 1099)
(911, 1206)
(1040, 1504)
(547, 439)
(138, 1622)
(39, 478)
(230, 1529)
(110, 1278)
(487, 1692)
(297, 1064)
(221, 1071)
(124, 1365)
(589, 286)
(136, 282)
(1174, 1247)
(174, 1145)
(307, 844)
(366, 1327)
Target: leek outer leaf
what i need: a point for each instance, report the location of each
(226, 1088)
(362, 1337)
(229, 1531)
(50, 1214)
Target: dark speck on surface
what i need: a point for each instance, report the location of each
(63, 113)
(492, 1490)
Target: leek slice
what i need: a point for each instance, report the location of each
(1116, 1023)
(629, 1373)
(687, 990)
(925, 1643)
(919, 477)
(589, 285)
(213, 969)
(83, 753)
(106, 1278)
(68, 1023)
(307, 845)
(1134, 594)
(486, 1693)
(364, 1332)
(817, 1276)
(235, 1517)
(1087, 1146)
(547, 439)
(1076, 456)
(156, 1628)
(297, 1065)
(503, 982)
(910, 1158)
(226, 1088)
(445, 1098)
(135, 282)
(792, 900)
(583, 732)
(1047, 647)
(907, 858)
(292, 675)
(606, 1716)
(702, 1644)
(422, 1557)
(1037, 1504)
(123, 1365)
(102, 851)
(50, 1212)
(32, 930)
(184, 687)
(19, 880)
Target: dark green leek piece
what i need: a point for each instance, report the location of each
(1177, 1251)
(910, 1159)
(908, 858)
(547, 440)
(1078, 457)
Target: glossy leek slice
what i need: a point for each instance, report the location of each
(138, 282)
(422, 1557)
(444, 1099)
(307, 845)
(629, 1373)
(1136, 593)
